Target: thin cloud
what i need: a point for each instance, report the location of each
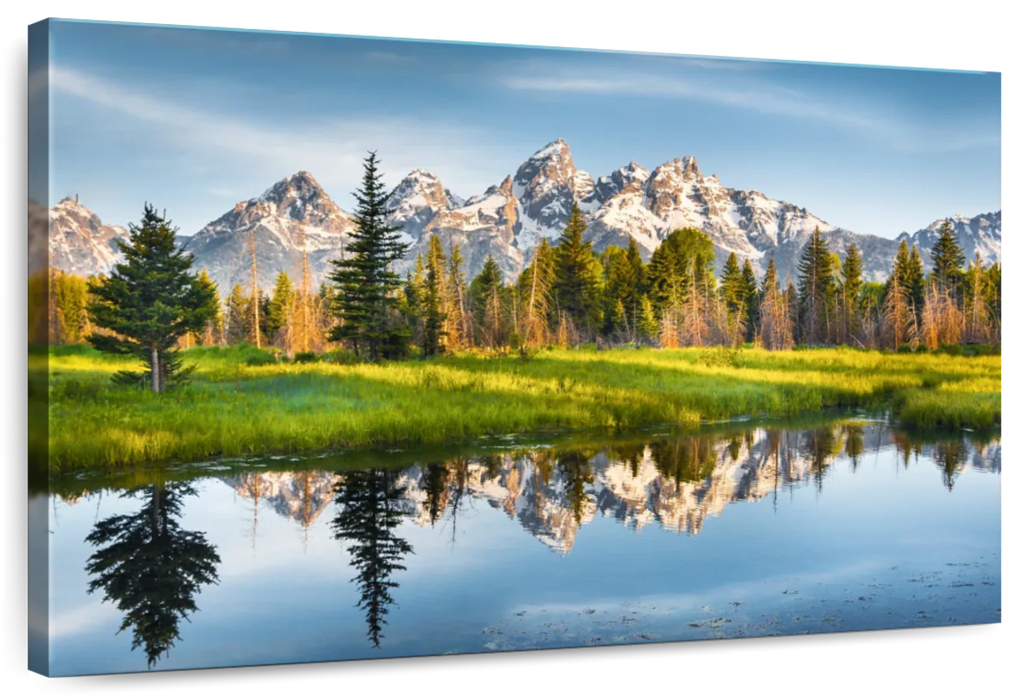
(226, 192)
(388, 57)
(331, 149)
(764, 99)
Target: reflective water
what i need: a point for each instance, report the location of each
(568, 541)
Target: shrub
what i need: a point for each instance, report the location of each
(342, 356)
(75, 389)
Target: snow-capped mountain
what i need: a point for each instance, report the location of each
(291, 214)
(80, 243)
(979, 234)
(509, 219)
(417, 200)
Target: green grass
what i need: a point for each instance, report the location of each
(242, 401)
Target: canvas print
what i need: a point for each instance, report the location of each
(350, 348)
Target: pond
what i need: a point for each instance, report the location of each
(737, 530)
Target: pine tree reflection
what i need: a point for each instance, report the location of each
(371, 508)
(151, 568)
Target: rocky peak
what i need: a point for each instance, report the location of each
(546, 184)
(70, 212)
(299, 197)
(610, 185)
(551, 164)
(419, 184)
(79, 242)
(690, 167)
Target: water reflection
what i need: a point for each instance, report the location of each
(370, 508)
(152, 569)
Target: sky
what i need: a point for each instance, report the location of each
(197, 120)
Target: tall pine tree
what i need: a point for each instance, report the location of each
(236, 316)
(434, 300)
(488, 302)
(853, 266)
(751, 300)
(280, 311)
(913, 279)
(732, 285)
(366, 284)
(816, 282)
(214, 330)
(948, 259)
(576, 284)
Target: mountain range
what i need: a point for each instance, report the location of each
(508, 220)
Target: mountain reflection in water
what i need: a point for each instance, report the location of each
(157, 571)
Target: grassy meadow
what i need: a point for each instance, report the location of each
(242, 401)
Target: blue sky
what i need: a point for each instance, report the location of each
(197, 120)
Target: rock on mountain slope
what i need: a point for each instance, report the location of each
(509, 219)
(79, 243)
(292, 213)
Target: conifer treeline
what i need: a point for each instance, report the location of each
(568, 295)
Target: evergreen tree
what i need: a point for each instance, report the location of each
(816, 286)
(488, 304)
(620, 290)
(434, 300)
(948, 259)
(637, 268)
(414, 308)
(149, 301)
(637, 276)
(576, 285)
(366, 284)
(751, 300)
(280, 311)
(647, 325)
(732, 286)
(672, 267)
(214, 331)
(900, 263)
(236, 319)
(913, 280)
(853, 266)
